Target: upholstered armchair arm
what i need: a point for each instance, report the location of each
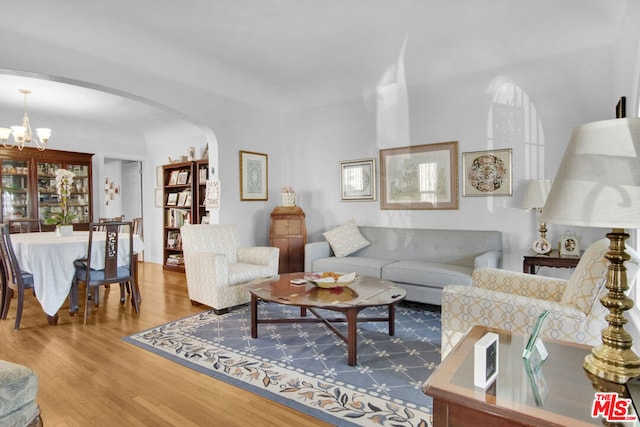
(512, 282)
(464, 306)
(492, 259)
(205, 270)
(315, 250)
(260, 255)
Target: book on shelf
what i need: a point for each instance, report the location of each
(203, 176)
(175, 259)
(178, 217)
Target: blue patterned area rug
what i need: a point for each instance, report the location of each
(304, 365)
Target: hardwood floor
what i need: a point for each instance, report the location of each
(90, 376)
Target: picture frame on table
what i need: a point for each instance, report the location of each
(419, 176)
(487, 173)
(358, 180)
(183, 177)
(254, 176)
(569, 245)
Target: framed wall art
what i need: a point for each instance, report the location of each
(487, 173)
(253, 176)
(358, 180)
(419, 176)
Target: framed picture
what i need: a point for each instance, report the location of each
(254, 176)
(159, 197)
(487, 173)
(204, 220)
(159, 176)
(173, 178)
(183, 177)
(569, 245)
(358, 180)
(419, 177)
(172, 199)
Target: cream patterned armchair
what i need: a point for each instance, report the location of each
(512, 301)
(218, 269)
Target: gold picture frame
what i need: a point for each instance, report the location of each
(419, 177)
(487, 173)
(254, 176)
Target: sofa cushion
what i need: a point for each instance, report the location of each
(345, 239)
(427, 273)
(361, 265)
(588, 280)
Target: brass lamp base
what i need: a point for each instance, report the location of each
(614, 360)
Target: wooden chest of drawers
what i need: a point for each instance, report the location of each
(289, 233)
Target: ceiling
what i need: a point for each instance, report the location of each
(305, 50)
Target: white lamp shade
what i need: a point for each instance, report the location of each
(598, 182)
(536, 194)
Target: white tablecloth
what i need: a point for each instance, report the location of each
(50, 259)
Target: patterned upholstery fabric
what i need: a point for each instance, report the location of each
(18, 390)
(217, 269)
(512, 301)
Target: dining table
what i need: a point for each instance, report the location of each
(50, 258)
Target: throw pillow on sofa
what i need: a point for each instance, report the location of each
(345, 239)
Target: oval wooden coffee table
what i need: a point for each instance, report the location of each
(364, 292)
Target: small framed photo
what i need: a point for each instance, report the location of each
(173, 178)
(183, 177)
(358, 180)
(569, 245)
(487, 173)
(172, 199)
(254, 176)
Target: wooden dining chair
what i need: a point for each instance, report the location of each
(111, 273)
(16, 279)
(25, 225)
(102, 220)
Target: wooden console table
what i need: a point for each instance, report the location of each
(565, 400)
(553, 259)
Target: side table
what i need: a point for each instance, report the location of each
(553, 259)
(560, 394)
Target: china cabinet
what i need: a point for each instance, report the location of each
(29, 184)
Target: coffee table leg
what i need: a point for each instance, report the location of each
(254, 316)
(352, 336)
(392, 320)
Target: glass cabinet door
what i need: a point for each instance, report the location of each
(15, 189)
(48, 200)
(79, 198)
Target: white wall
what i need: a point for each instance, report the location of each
(304, 147)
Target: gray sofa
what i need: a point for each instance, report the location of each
(422, 261)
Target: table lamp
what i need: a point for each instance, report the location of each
(534, 198)
(598, 185)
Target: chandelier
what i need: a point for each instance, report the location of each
(22, 134)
